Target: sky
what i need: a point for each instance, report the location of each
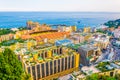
(61, 5)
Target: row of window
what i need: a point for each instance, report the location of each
(52, 67)
(45, 54)
(58, 50)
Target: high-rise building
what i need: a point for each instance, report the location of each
(50, 63)
(88, 54)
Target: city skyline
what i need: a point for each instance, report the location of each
(61, 5)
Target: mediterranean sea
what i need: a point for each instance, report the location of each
(80, 19)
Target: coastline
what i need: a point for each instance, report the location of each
(11, 19)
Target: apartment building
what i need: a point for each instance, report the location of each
(49, 63)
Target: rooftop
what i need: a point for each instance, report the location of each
(88, 47)
(63, 42)
(90, 70)
(29, 56)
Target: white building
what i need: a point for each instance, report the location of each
(116, 33)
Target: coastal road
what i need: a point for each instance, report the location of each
(116, 50)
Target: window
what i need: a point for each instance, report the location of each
(38, 71)
(60, 50)
(42, 55)
(66, 63)
(42, 68)
(47, 69)
(51, 70)
(96, 53)
(54, 66)
(28, 70)
(62, 68)
(53, 51)
(33, 72)
(45, 54)
(59, 65)
(38, 54)
(72, 61)
(69, 62)
(90, 53)
(111, 74)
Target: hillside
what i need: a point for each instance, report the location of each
(113, 23)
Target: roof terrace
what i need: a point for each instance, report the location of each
(34, 57)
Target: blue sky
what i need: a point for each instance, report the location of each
(60, 5)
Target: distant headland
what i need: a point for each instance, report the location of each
(113, 23)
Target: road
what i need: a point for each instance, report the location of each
(112, 53)
(116, 50)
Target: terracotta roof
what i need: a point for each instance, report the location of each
(48, 36)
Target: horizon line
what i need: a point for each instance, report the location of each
(66, 11)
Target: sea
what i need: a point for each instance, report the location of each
(80, 19)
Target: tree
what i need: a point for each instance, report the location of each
(117, 76)
(26, 76)
(104, 77)
(110, 78)
(22, 28)
(10, 66)
(93, 77)
(5, 31)
(113, 23)
(100, 77)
